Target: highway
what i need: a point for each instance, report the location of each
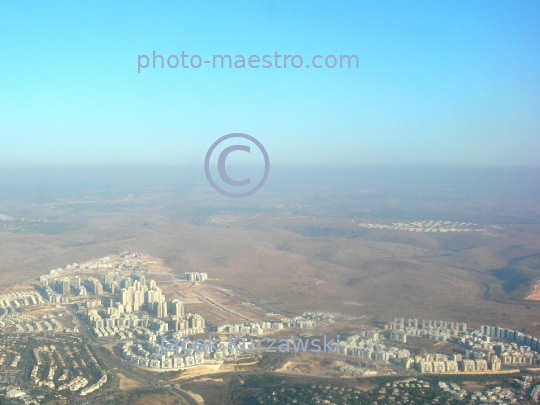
(136, 373)
(230, 311)
(253, 299)
(125, 368)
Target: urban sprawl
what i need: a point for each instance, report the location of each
(50, 333)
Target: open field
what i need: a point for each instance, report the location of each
(299, 250)
(218, 305)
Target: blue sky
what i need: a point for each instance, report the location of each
(445, 82)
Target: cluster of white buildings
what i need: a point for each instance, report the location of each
(127, 324)
(437, 330)
(441, 363)
(27, 323)
(392, 390)
(104, 262)
(453, 389)
(54, 297)
(482, 353)
(408, 383)
(179, 334)
(496, 395)
(20, 298)
(16, 360)
(535, 394)
(196, 276)
(135, 293)
(117, 310)
(95, 386)
(511, 335)
(51, 274)
(38, 326)
(107, 323)
(307, 320)
(74, 385)
(57, 289)
(49, 382)
(117, 332)
(358, 371)
(424, 226)
(298, 322)
(367, 345)
(480, 346)
(147, 355)
(250, 328)
(129, 256)
(78, 382)
(318, 316)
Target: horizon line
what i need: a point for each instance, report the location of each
(275, 165)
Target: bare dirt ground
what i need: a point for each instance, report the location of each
(534, 293)
(299, 263)
(312, 365)
(474, 386)
(127, 383)
(199, 371)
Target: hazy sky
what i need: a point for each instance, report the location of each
(439, 82)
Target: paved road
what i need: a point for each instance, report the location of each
(230, 311)
(138, 374)
(253, 299)
(125, 368)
